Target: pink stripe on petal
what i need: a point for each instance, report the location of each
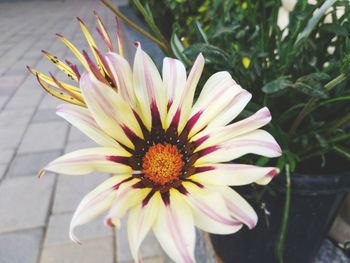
(208, 150)
(193, 120)
(251, 222)
(201, 140)
(174, 229)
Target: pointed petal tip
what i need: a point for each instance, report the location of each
(41, 173)
(74, 238)
(79, 19)
(137, 44)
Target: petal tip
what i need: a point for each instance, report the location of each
(41, 173)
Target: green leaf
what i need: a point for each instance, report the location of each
(211, 53)
(277, 85)
(336, 29)
(342, 151)
(200, 32)
(178, 49)
(319, 13)
(312, 86)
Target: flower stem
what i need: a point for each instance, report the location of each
(283, 229)
(135, 26)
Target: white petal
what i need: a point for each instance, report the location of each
(219, 135)
(218, 92)
(95, 203)
(209, 210)
(102, 159)
(257, 142)
(282, 18)
(109, 109)
(174, 229)
(127, 197)
(121, 71)
(141, 219)
(234, 174)
(185, 106)
(231, 111)
(149, 88)
(237, 205)
(83, 120)
(174, 79)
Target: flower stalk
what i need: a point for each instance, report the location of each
(119, 14)
(284, 224)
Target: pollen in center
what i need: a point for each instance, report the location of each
(162, 163)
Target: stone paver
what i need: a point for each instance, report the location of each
(92, 251)
(30, 164)
(44, 137)
(57, 233)
(71, 189)
(21, 246)
(24, 202)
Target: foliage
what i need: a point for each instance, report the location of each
(299, 72)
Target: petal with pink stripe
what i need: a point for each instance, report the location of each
(109, 110)
(187, 96)
(174, 228)
(234, 174)
(174, 80)
(82, 119)
(149, 89)
(141, 219)
(95, 203)
(127, 197)
(256, 142)
(232, 110)
(121, 71)
(219, 135)
(237, 205)
(218, 92)
(101, 159)
(209, 210)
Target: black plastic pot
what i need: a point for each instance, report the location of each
(315, 200)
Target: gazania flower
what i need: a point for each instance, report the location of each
(168, 156)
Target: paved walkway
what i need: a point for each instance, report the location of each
(35, 214)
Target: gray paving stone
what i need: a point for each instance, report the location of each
(3, 100)
(15, 117)
(58, 230)
(76, 136)
(49, 102)
(92, 251)
(44, 137)
(10, 137)
(24, 101)
(10, 80)
(71, 189)
(30, 164)
(26, 202)
(77, 145)
(6, 155)
(150, 247)
(3, 168)
(45, 116)
(20, 247)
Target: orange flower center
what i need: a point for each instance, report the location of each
(162, 163)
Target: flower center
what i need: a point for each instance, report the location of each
(162, 163)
